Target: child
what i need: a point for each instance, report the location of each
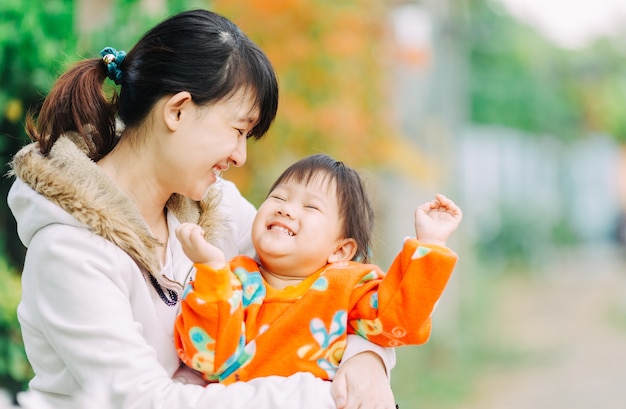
(290, 310)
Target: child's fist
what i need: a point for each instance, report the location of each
(436, 220)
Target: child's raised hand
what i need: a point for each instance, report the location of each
(436, 220)
(191, 236)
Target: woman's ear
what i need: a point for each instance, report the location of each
(174, 108)
(345, 251)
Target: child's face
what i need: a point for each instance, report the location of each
(297, 227)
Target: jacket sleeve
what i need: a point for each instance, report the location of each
(210, 329)
(87, 343)
(395, 309)
(356, 344)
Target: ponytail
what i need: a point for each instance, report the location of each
(77, 103)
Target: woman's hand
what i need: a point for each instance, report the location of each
(361, 383)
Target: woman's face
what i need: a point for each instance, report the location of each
(209, 140)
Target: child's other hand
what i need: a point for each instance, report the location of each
(436, 220)
(191, 236)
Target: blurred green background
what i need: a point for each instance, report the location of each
(454, 96)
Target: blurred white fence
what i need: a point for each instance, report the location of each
(539, 178)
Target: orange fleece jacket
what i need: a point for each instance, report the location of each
(234, 327)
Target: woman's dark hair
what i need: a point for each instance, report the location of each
(355, 210)
(196, 51)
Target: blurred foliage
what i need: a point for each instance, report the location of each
(33, 40)
(601, 86)
(329, 57)
(523, 240)
(519, 79)
(15, 371)
(34, 43)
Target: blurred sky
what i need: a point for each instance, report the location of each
(571, 23)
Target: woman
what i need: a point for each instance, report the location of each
(97, 209)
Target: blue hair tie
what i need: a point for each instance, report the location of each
(113, 60)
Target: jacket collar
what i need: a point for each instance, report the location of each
(71, 180)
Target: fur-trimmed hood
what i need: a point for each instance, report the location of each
(68, 178)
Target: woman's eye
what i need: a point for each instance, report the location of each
(242, 132)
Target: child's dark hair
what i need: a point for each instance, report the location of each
(196, 51)
(355, 210)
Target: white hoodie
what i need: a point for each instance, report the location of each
(95, 330)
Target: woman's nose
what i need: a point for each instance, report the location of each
(239, 155)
